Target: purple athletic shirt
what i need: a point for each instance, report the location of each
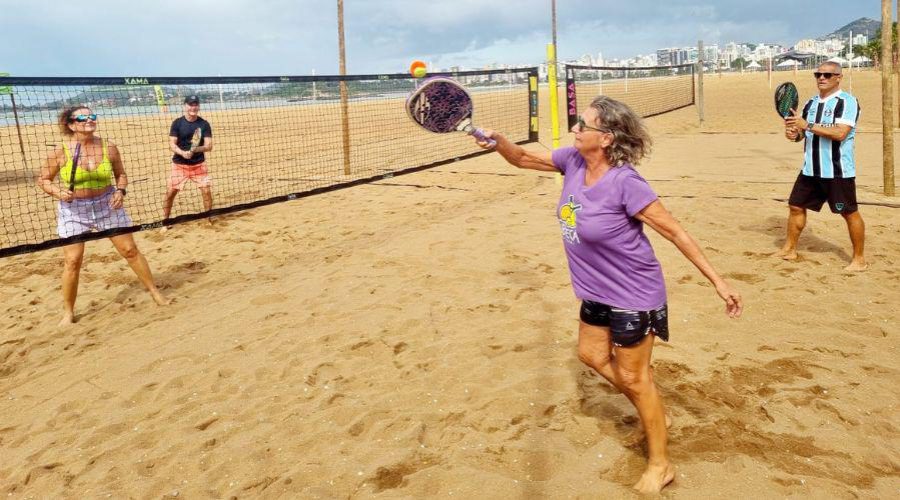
(610, 259)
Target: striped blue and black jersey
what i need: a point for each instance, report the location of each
(823, 157)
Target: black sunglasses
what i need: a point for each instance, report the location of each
(826, 75)
(83, 118)
(582, 125)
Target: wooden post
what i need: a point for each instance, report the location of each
(887, 96)
(897, 64)
(345, 121)
(700, 80)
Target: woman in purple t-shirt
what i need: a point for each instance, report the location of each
(602, 211)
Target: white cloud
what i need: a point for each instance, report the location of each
(245, 37)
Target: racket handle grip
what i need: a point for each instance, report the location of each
(479, 134)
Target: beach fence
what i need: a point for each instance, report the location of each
(274, 139)
(648, 90)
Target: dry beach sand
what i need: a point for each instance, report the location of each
(415, 337)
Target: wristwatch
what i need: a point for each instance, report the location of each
(122, 190)
(809, 126)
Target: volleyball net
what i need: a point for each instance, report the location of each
(649, 91)
(274, 139)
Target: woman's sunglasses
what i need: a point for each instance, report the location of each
(826, 75)
(582, 125)
(83, 118)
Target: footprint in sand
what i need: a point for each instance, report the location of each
(272, 298)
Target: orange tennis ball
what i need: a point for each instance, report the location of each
(417, 69)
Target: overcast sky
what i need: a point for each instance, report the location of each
(295, 37)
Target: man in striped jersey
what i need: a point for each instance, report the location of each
(828, 124)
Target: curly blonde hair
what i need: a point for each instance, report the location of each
(631, 140)
(65, 118)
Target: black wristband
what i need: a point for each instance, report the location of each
(122, 190)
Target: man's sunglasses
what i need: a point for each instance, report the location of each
(826, 75)
(83, 118)
(584, 126)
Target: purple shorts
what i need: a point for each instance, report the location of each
(89, 214)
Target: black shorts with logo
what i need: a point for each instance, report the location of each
(813, 192)
(627, 327)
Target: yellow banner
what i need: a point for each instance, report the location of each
(161, 99)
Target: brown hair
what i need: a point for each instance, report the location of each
(631, 140)
(65, 118)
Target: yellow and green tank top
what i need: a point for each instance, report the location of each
(100, 177)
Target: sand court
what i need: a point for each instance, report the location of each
(415, 337)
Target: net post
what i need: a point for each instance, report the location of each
(533, 105)
(700, 80)
(554, 94)
(887, 96)
(345, 122)
(554, 101)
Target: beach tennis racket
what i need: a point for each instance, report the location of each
(196, 138)
(74, 166)
(442, 105)
(786, 99)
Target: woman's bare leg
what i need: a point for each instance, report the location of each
(73, 255)
(124, 243)
(632, 369)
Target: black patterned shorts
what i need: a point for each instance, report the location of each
(627, 327)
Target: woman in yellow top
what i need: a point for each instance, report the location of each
(94, 201)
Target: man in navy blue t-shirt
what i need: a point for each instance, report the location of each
(189, 138)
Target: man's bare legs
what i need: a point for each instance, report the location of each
(206, 194)
(857, 229)
(795, 224)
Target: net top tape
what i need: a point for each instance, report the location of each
(621, 68)
(169, 80)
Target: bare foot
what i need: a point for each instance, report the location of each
(160, 299)
(788, 254)
(857, 266)
(655, 478)
(67, 319)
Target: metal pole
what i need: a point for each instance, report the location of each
(850, 63)
(700, 79)
(18, 129)
(345, 121)
(887, 96)
(553, 85)
(552, 78)
(553, 7)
